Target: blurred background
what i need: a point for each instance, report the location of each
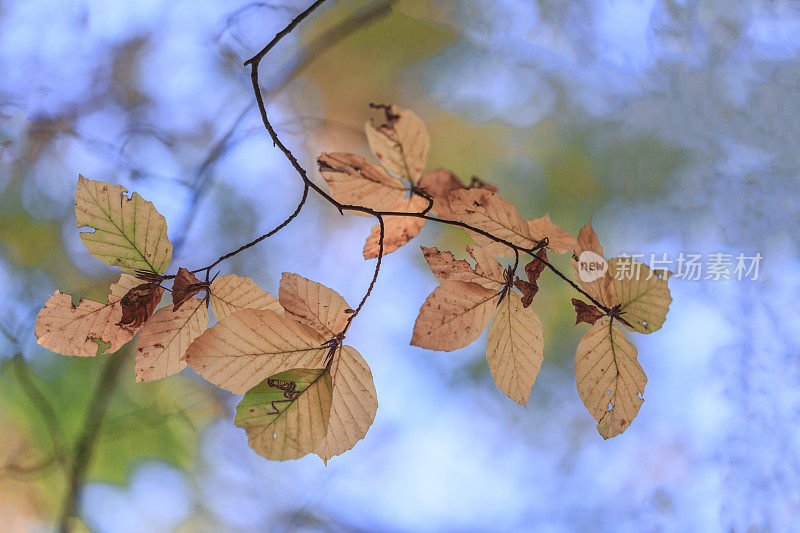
(673, 123)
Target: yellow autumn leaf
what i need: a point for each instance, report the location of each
(313, 304)
(355, 181)
(560, 240)
(609, 377)
(401, 142)
(128, 233)
(453, 315)
(515, 348)
(244, 348)
(353, 406)
(231, 293)
(88, 329)
(165, 338)
(397, 230)
(490, 212)
(642, 294)
(488, 272)
(591, 268)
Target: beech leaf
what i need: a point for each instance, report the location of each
(515, 348)
(286, 415)
(185, 286)
(246, 347)
(401, 141)
(355, 181)
(491, 213)
(313, 304)
(166, 337)
(139, 303)
(643, 301)
(397, 230)
(560, 240)
(231, 293)
(88, 329)
(353, 406)
(128, 233)
(533, 270)
(585, 312)
(454, 315)
(609, 378)
(601, 288)
(487, 271)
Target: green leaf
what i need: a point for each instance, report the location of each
(128, 232)
(642, 293)
(286, 416)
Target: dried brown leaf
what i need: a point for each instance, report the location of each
(400, 140)
(610, 380)
(185, 286)
(355, 181)
(313, 304)
(138, 304)
(453, 315)
(515, 348)
(397, 230)
(585, 312)
(166, 337)
(88, 329)
(533, 270)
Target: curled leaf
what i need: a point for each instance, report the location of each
(185, 286)
(138, 304)
(533, 270)
(585, 312)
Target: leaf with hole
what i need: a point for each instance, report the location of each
(128, 232)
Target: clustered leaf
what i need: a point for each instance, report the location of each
(460, 309)
(247, 348)
(606, 361)
(304, 390)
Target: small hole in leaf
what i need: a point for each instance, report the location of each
(608, 392)
(641, 397)
(610, 406)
